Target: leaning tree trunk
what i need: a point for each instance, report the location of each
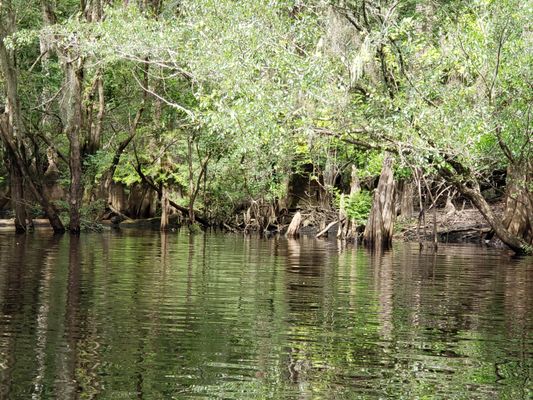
(379, 228)
(472, 192)
(517, 244)
(518, 215)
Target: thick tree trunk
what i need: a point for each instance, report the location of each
(95, 126)
(329, 176)
(518, 216)
(379, 229)
(16, 182)
(294, 227)
(406, 199)
(473, 193)
(73, 114)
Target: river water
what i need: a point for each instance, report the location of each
(140, 315)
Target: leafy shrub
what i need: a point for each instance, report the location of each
(358, 206)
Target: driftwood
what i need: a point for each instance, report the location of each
(115, 211)
(294, 227)
(326, 229)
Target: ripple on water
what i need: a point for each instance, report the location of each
(144, 315)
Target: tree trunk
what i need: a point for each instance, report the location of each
(517, 244)
(294, 226)
(16, 182)
(329, 176)
(379, 229)
(164, 208)
(406, 199)
(518, 215)
(95, 126)
(192, 193)
(18, 160)
(343, 219)
(73, 114)
(355, 187)
(4, 199)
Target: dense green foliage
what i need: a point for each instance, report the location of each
(221, 101)
(358, 206)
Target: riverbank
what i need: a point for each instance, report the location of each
(465, 225)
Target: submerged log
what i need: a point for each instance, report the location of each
(294, 227)
(379, 228)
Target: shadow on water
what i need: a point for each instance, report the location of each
(149, 315)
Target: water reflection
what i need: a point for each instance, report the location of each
(144, 315)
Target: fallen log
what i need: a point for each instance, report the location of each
(37, 223)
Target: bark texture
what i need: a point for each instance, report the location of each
(379, 229)
(73, 121)
(518, 216)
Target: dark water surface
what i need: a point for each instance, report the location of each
(150, 316)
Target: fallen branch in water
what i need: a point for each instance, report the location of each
(326, 229)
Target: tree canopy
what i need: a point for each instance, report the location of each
(221, 102)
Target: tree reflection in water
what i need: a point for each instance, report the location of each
(142, 315)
